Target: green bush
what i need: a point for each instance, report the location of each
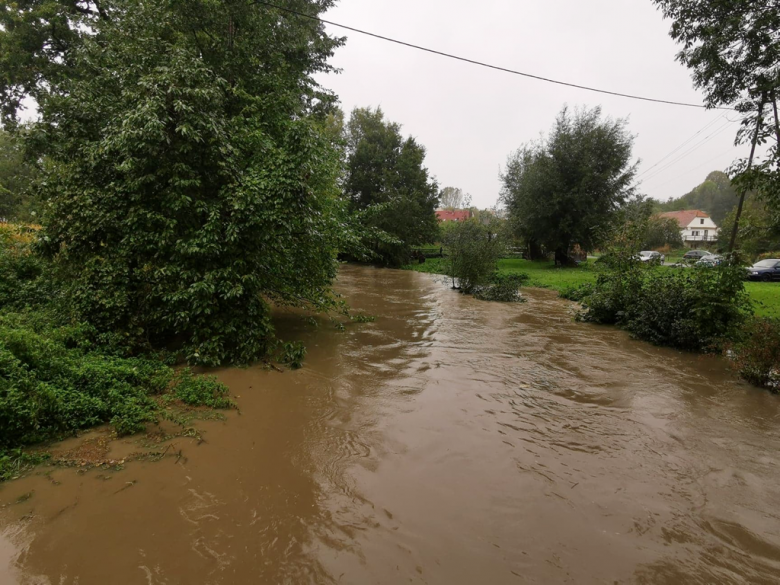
(695, 309)
(504, 288)
(756, 354)
(474, 249)
(577, 292)
(200, 390)
(292, 354)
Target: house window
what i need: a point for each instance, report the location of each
(702, 222)
(695, 233)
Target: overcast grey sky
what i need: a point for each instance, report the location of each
(470, 118)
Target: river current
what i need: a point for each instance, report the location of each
(452, 441)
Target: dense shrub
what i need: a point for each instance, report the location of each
(756, 354)
(197, 390)
(693, 309)
(25, 278)
(504, 288)
(577, 292)
(292, 354)
(59, 376)
(474, 249)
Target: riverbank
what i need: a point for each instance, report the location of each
(544, 274)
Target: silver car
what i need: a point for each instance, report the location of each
(651, 257)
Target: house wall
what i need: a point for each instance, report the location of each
(701, 230)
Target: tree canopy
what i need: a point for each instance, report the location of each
(386, 173)
(565, 189)
(454, 198)
(190, 181)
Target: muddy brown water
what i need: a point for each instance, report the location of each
(452, 441)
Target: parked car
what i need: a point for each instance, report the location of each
(651, 257)
(695, 254)
(710, 260)
(765, 270)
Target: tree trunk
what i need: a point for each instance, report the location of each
(562, 257)
(743, 191)
(777, 120)
(534, 250)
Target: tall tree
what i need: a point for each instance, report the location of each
(189, 181)
(733, 48)
(566, 189)
(386, 172)
(454, 198)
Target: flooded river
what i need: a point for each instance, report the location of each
(450, 442)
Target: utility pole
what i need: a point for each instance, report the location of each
(743, 190)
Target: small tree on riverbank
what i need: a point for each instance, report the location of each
(473, 248)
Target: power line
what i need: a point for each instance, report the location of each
(686, 153)
(481, 64)
(710, 123)
(692, 169)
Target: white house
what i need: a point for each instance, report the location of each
(696, 226)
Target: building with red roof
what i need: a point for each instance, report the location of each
(453, 214)
(695, 226)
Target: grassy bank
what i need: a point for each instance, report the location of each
(765, 296)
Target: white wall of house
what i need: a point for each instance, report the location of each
(701, 229)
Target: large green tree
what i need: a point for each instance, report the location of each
(386, 173)
(567, 188)
(190, 182)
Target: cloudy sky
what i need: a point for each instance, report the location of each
(470, 118)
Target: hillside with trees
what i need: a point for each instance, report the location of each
(715, 196)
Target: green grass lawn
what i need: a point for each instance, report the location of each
(765, 295)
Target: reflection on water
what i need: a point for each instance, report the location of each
(452, 441)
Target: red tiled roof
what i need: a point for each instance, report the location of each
(684, 218)
(453, 214)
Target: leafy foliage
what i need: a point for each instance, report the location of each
(454, 198)
(694, 309)
(16, 176)
(758, 230)
(58, 376)
(756, 355)
(660, 232)
(387, 181)
(505, 288)
(197, 390)
(191, 181)
(292, 354)
(733, 48)
(567, 189)
(473, 248)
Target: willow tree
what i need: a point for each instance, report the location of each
(188, 185)
(567, 188)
